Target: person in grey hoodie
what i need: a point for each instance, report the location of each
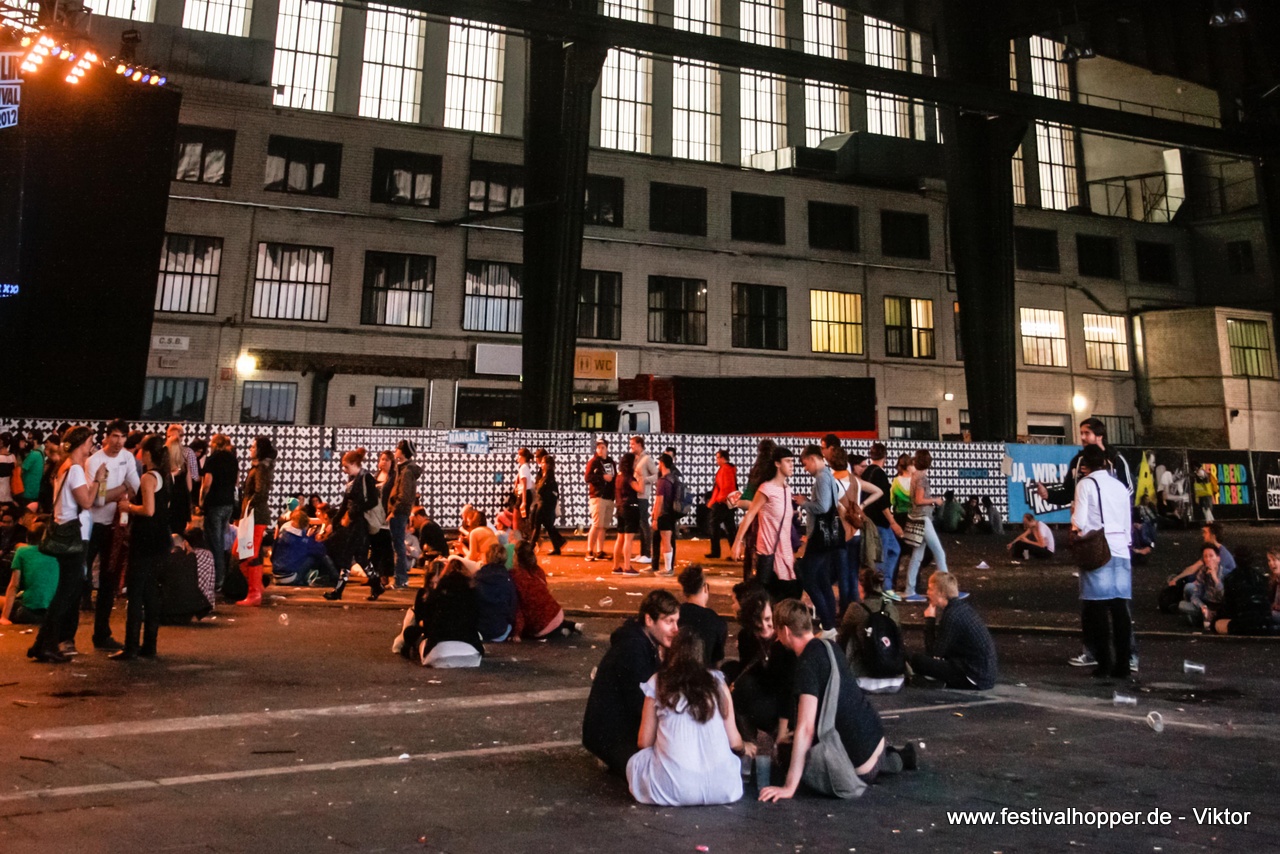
(816, 564)
(404, 495)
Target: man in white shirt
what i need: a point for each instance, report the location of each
(1036, 540)
(647, 470)
(525, 481)
(119, 471)
(1102, 502)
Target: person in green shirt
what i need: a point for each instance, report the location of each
(952, 521)
(32, 585)
(32, 466)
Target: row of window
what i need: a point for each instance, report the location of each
(1097, 255)
(921, 424)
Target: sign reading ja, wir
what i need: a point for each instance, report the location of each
(10, 89)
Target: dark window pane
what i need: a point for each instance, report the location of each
(166, 399)
(495, 187)
(759, 219)
(1239, 257)
(904, 235)
(600, 305)
(918, 424)
(603, 202)
(398, 289)
(268, 403)
(203, 155)
(397, 407)
(405, 178)
(1098, 256)
(1155, 263)
(303, 166)
(677, 209)
(487, 407)
(1036, 249)
(759, 317)
(833, 227)
(677, 310)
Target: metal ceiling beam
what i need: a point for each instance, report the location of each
(561, 23)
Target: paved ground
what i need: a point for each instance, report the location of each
(293, 728)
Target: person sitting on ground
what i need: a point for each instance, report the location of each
(763, 676)
(973, 518)
(430, 535)
(444, 633)
(495, 596)
(298, 558)
(687, 734)
(480, 537)
(1142, 543)
(1034, 541)
(32, 583)
(959, 649)
(611, 721)
(186, 579)
(431, 575)
(856, 721)
(194, 542)
(538, 614)
(1251, 605)
(1212, 534)
(1203, 595)
(856, 637)
(695, 615)
(951, 519)
(992, 519)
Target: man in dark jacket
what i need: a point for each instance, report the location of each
(959, 649)
(600, 473)
(611, 724)
(695, 615)
(404, 494)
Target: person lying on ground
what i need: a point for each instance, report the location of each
(959, 650)
(695, 615)
(611, 721)
(687, 735)
(1035, 540)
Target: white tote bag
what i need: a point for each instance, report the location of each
(244, 537)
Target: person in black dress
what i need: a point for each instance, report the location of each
(149, 544)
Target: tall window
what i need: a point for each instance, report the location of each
(626, 86)
(189, 268)
(1106, 343)
(887, 45)
(398, 289)
(391, 82)
(396, 406)
(763, 95)
(303, 166)
(826, 105)
(908, 327)
(268, 403)
(1250, 343)
(677, 310)
(306, 65)
(495, 187)
(1055, 143)
(225, 17)
(1044, 337)
(1019, 179)
(759, 317)
(473, 82)
(493, 301)
(600, 305)
(174, 399)
(695, 96)
(292, 282)
(835, 322)
(130, 10)
(203, 155)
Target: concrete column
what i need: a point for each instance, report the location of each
(664, 12)
(730, 92)
(793, 33)
(346, 98)
(857, 53)
(435, 67)
(263, 23)
(514, 85)
(169, 12)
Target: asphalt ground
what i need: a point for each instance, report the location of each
(293, 728)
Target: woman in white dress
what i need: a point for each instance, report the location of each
(688, 737)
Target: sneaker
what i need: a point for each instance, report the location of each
(892, 596)
(1084, 659)
(68, 648)
(1133, 664)
(642, 559)
(589, 557)
(109, 644)
(666, 572)
(631, 571)
(915, 599)
(602, 555)
(617, 570)
(285, 580)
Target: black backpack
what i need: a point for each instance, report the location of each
(880, 644)
(679, 497)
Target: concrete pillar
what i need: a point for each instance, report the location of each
(730, 92)
(170, 12)
(263, 23)
(346, 97)
(435, 68)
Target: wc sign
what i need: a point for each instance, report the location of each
(10, 89)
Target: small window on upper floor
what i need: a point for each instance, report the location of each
(833, 226)
(1036, 249)
(1098, 256)
(603, 202)
(203, 155)
(904, 235)
(677, 209)
(303, 166)
(495, 187)
(1156, 263)
(758, 219)
(1239, 257)
(405, 178)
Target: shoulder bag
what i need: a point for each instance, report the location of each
(16, 486)
(61, 539)
(828, 769)
(913, 532)
(828, 532)
(1092, 551)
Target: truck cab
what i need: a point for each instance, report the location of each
(618, 416)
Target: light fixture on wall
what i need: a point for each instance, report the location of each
(246, 363)
(1078, 403)
(948, 396)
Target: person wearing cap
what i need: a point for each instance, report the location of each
(404, 495)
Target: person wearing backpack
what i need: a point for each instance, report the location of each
(669, 505)
(871, 637)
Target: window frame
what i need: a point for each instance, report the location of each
(1244, 355)
(904, 420)
(1094, 272)
(269, 387)
(179, 413)
(495, 173)
(490, 307)
(1028, 242)
(207, 281)
(308, 152)
(916, 336)
(1037, 346)
(300, 292)
(376, 261)
(689, 323)
(597, 309)
(601, 190)
(895, 223)
(853, 226)
(1097, 346)
(206, 137)
(387, 162)
(417, 402)
(844, 328)
(306, 45)
(462, 86)
(1143, 251)
(668, 214)
(758, 218)
(754, 328)
(392, 59)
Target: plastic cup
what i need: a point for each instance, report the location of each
(284, 619)
(1189, 666)
(764, 770)
(605, 602)
(1156, 721)
(1123, 700)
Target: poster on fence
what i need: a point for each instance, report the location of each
(1028, 464)
(1225, 477)
(1266, 471)
(1161, 474)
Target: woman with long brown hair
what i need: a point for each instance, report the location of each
(149, 544)
(361, 502)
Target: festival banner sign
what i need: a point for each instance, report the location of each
(1027, 464)
(1266, 468)
(1230, 479)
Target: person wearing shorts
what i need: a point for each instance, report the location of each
(627, 494)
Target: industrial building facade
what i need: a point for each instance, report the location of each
(337, 241)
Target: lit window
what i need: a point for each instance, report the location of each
(835, 322)
(887, 45)
(908, 327)
(398, 289)
(494, 301)
(268, 403)
(759, 317)
(826, 105)
(677, 310)
(225, 17)
(189, 269)
(306, 65)
(174, 399)
(763, 95)
(203, 155)
(473, 82)
(1044, 337)
(130, 10)
(1055, 143)
(1106, 343)
(626, 86)
(391, 84)
(292, 282)
(1250, 342)
(1019, 180)
(695, 97)
(397, 407)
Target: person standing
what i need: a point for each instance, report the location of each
(186, 477)
(817, 560)
(359, 498)
(742, 501)
(149, 544)
(403, 497)
(647, 472)
(33, 463)
(665, 516)
(854, 504)
(1102, 503)
(257, 491)
(721, 513)
(627, 488)
(218, 500)
(772, 504)
(922, 504)
(117, 478)
(526, 480)
(546, 503)
(880, 512)
(73, 495)
(600, 474)
(9, 463)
